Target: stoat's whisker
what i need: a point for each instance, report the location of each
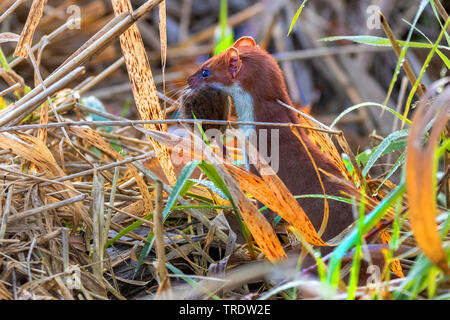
(186, 94)
(183, 94)
(176, 92)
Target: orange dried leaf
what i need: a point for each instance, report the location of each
(260, 229)
(323, 140)
(395, 263)
(257, 224)
(282, 200)
(278, 201)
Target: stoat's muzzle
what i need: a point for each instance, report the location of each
(206, 102)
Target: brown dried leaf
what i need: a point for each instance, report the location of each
(9, 37)
(163, 42)
(97, 140)
(26, 37)
(34, 150)
(420, 183)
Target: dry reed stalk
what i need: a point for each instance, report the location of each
(164, 289)
(11, 8)
(26, 37)
(45, 39)
(33, 150)
(163, 41)
(440, 8)
(98, 218)
(101, 76)
(42, 132)
(21, 215)
(143, 86)
(8, 37)
(406, 66)
(16, 113)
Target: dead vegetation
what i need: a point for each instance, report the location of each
(92, 206)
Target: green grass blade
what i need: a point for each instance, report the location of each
(3, 61)
(422, 72)
(214, 176)
(223, 36)
(191, 282)
(354, 273)
(436, 14)
(216, 179)
(177, 188)
(441, 55)
(349, 241)
(382, 42)
(381, 148)
(128, 229)
(402, 56)
(392, 170)
(363, 105)
(444, 58)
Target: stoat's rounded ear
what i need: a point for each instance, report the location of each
(245, 42)
(234, 61)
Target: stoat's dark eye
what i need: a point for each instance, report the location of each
(205, 73)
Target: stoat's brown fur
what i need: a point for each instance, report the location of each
(253, 79)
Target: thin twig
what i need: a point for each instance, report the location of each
(167, 121)
(52, 206)
(10, 89)
(21, 111)
(327, 128)
(441, 10)
(11, 9)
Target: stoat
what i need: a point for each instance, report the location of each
(254, 81)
